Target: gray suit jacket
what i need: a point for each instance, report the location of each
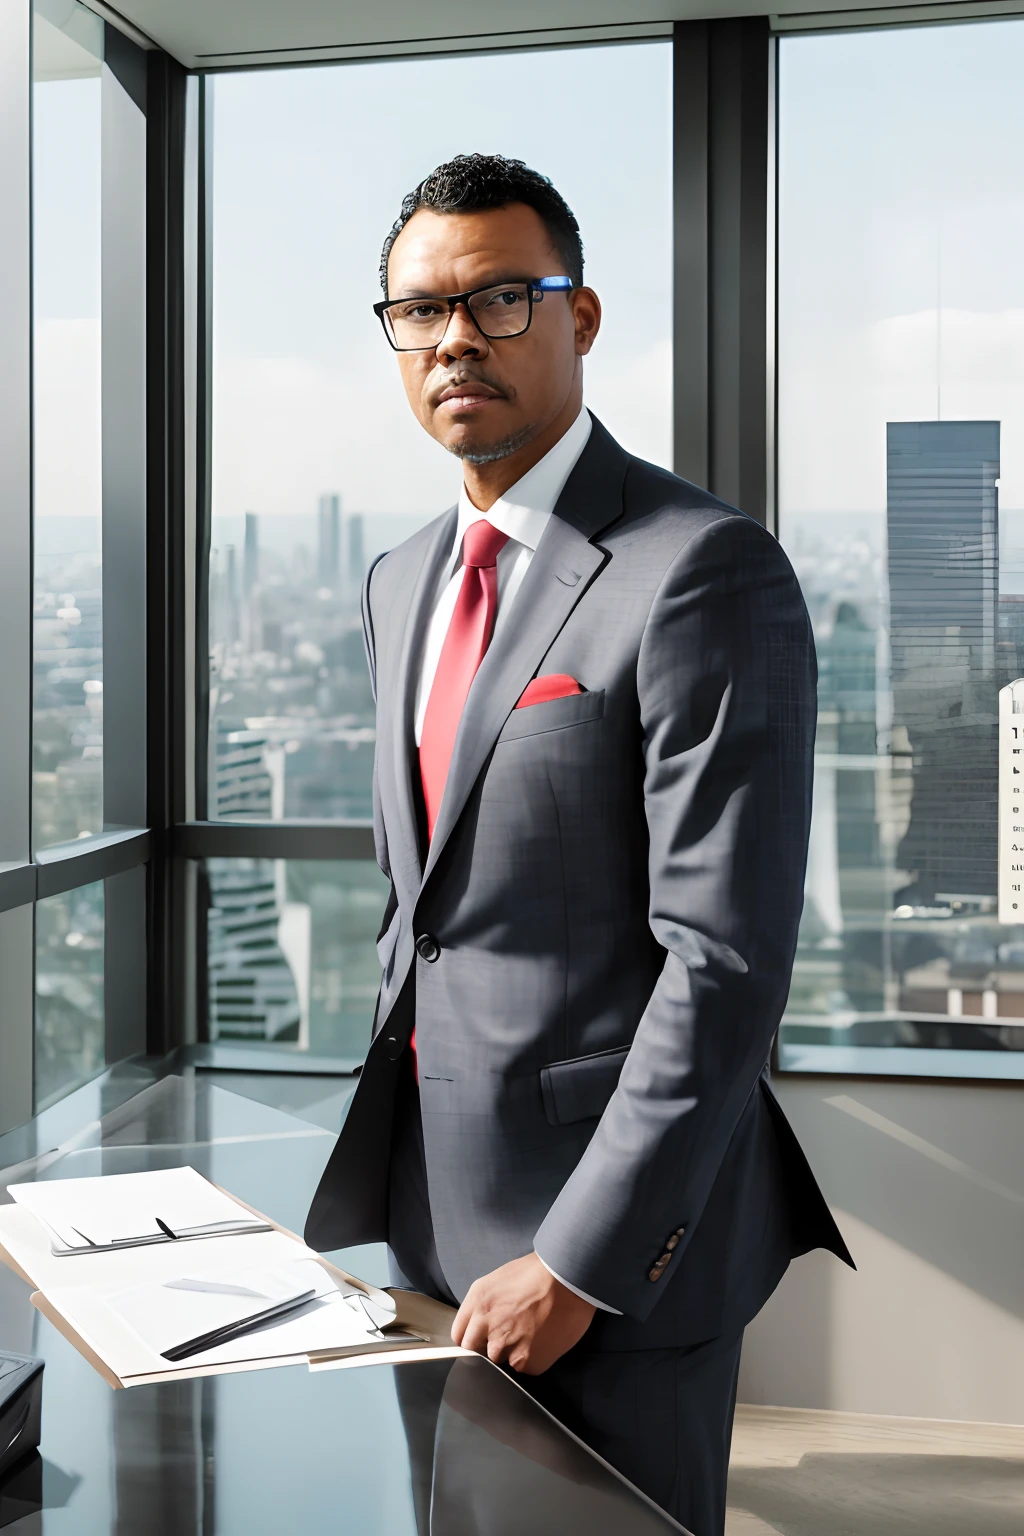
(596, 947)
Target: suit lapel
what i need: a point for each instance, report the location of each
(562, 568)
(396, 719)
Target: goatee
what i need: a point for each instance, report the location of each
(502, 450)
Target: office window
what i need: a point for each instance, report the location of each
(72, 552)
(901, 502)
(70, 1034)
(67, 738)
(291, 954)
(318, 465)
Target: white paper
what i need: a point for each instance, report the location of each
(124, 1206)
(131, 1345)
(170, 1312)
(116, 1269)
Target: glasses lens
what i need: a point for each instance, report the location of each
(502, 311)
(417, 322)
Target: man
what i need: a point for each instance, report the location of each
(595, 692)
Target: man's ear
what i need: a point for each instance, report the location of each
(586, 313)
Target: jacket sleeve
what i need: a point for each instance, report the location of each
(726, 686)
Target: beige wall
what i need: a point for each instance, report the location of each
(927, 1183)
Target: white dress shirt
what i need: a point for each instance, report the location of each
(523, 514)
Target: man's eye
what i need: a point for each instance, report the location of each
(423, 311)
(505, 299)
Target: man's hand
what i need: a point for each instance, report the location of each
(522, 1315)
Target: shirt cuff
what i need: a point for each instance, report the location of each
(602, 1306)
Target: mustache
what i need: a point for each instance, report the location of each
(454, 378)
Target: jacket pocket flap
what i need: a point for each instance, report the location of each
(553, 715)
(579, 1089)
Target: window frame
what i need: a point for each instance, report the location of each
(157, 325)
(895, 1062)
(721, 74)
(120, 853)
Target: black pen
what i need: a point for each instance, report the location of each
(231, 1331)
(165, 1228)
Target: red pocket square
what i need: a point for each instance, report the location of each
(557, 685)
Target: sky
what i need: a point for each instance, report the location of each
(901, 282)
(901, 228)
(310, 167)
(66, 295)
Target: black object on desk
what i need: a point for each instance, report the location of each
(21, 1403)
(21, 1491)
(229, 1331)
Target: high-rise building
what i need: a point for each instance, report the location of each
(1010, 637)
(251, 556)
(252, 988)
(356, 564)
(943, 535)
(230, 615)
(328, 548)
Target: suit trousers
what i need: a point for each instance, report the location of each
(661, 1417)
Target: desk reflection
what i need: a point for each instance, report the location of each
(486, 1460)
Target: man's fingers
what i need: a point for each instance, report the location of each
(497, 1348)
(473, 1331)
(474, 1335)
(462, 1317)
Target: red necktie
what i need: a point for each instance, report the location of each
(465, 644)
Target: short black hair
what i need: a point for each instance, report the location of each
(474, 183)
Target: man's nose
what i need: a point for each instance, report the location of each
(462, 339)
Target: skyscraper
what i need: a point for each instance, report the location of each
(252, 990)
(251, 557)
(231, 625)
(328, 548)
(356, 564)
(943, 534)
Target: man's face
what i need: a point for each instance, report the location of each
(484, 399)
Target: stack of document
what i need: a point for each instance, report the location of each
(229, 1316)
(128, 1210)
(114, 1271)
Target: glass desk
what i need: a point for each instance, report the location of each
(438, 1448)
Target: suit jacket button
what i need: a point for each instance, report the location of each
(680, 1231)
(671, 1242)
(427, 947)
(664, 1260)
(394, 1047)
(655, 1273)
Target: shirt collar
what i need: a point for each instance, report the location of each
(524, 509)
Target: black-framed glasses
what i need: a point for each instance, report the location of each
(498, 311)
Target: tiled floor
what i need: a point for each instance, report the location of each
(799, 1473)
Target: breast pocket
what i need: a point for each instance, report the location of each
(555, 715)
(580, 1089)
